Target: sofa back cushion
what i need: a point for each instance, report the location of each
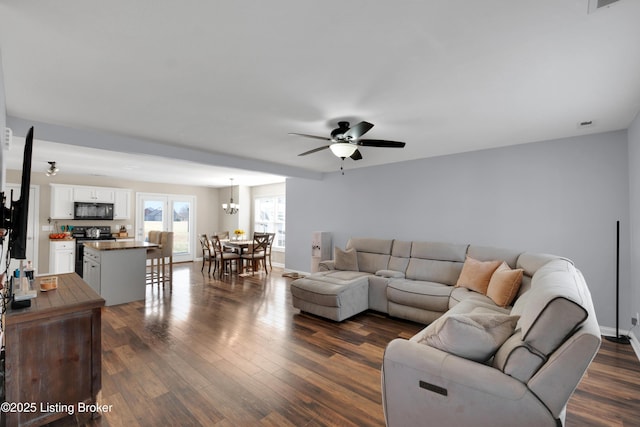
(373, 254)
(488, 253)
(400, 254)
(436, 262)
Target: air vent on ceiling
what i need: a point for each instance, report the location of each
(7, 137)
(598, 4)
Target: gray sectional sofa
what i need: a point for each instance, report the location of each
(489, 356)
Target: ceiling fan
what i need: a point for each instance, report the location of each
(345, 141)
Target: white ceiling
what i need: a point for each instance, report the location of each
(234, 78)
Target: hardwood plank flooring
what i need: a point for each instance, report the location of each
(234, 352)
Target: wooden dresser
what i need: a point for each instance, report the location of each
(53, 353)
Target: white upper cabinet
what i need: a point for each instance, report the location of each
(122, 205)
(94, 194)
(63, 196)
(61, 201)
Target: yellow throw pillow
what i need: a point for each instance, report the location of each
(475, 275)
(504, 285)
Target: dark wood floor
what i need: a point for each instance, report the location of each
(234, 352)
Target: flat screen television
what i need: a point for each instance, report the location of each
(15, 217)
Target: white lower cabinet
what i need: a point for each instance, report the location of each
(91, 269)
(62, 256)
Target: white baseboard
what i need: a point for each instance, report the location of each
(633, 338)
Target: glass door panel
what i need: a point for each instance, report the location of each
(167, 212)
(181, 226)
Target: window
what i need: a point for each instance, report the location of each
(269, 217)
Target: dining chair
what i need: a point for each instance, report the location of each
(222, 234)
(208, 253)
(257, 252)
(272, 237)
(223, 259)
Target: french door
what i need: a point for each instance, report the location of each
(168, 212)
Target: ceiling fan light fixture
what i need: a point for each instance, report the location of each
(343, 149)
(53, 169)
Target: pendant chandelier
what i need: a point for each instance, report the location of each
(230, 208)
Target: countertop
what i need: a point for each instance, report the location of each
(72, 294)
(110, 245)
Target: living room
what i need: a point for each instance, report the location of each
(560, 194)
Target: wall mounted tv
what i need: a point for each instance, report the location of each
(15, 215)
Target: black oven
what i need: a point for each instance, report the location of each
(81, 236)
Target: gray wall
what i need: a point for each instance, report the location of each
(562, 196)
(634, 203)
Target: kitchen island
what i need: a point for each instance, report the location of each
(53, 354)
(117, 269)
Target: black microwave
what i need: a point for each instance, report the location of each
(89, 210)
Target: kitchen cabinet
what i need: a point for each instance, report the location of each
(53, 354)
(63, 196)
(62, 256)
(61, 201)
(122, 204)
(94, 194)
(91, 269)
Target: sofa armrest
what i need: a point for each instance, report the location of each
(327, 265)
(420, 381)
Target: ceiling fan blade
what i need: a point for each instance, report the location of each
(380, 143)
(356, 155)
(324, 138)
(314, 150)
(358, 130)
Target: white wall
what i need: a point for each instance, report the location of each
(634, 207)
(561, 197)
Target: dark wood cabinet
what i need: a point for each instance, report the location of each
(53, 357)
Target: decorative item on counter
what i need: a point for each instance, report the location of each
(239, 233)
(48, 283)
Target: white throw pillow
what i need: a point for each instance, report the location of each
(345, 260)
(475, 336)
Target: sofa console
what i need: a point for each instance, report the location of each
(509, 334)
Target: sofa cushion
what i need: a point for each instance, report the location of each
(475, 275)
(419, 294)
(504, 285)
(345, 260)
(518, 359)
(463, 295)
(488, 253)
(327, 289)
(553, 308)
(373, 254)
(429, 270)
(400, 254)
(475, 336)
